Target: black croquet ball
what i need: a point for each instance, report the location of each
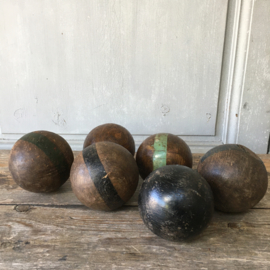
(104, 176)
(176, 203)
(237, 176)
(40, 161)
(112, 133)
(162, 149)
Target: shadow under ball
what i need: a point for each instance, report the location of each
(176, 203)
(237, 176)
(104, 176)
(40, 161)
(112, 133)
(162, 149)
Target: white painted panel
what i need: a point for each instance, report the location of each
(150, 65)
(254, 123)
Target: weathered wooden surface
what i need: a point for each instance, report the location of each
(57, 232)
(78, 238)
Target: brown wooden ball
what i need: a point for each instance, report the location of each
(104, 176)
(40, 161)
(237, 176)
(162, 149)
(112, 133)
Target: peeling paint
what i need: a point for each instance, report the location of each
(58, 119)
(19, 114)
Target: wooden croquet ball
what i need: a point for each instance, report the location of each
(176, 203)
(112, 133)
(104, 176)
(162, 149)
(40, 161)
(237, 176)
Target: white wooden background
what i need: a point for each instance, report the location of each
(184, 67)
(254, 127)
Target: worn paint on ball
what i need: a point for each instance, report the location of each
(51, 150)
(40, 161)
(101, 179)
(176, 203)
(104, 176)
(160, 150)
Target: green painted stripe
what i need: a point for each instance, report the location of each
(160, 150)
(52, 152)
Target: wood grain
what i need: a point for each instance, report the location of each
(112, 133)
(174, 149)
(78, 238)
(236, 175)
(54, 231)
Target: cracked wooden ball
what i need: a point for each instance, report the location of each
(104, 176)
(162, 149)
(40, 161)
(112, 133)
(176, 203)
(237, 176)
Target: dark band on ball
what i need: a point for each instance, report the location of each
(51, 151)
(97, 172)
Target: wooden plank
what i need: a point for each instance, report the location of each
(10, 193)
(68, 235)
(78, 238)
